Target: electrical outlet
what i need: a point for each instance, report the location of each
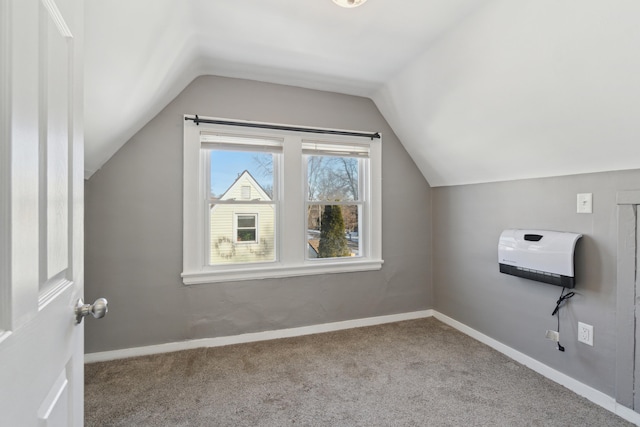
(585, 333)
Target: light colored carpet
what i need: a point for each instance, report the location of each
(412, 373)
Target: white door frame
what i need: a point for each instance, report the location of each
(627, 313)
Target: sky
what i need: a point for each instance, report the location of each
(226, 166)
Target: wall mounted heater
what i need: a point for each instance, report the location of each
(540, 255)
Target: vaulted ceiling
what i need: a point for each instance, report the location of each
(476, 90)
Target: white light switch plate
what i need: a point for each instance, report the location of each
(585, 203)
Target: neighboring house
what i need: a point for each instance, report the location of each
(313, 247)
(242, 232)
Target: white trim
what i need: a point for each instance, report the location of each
(254, 337)
(595, 396)
(599, 398)
(309, 268)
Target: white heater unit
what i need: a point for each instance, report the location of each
(540, 255)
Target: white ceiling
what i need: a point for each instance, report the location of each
(476, 90)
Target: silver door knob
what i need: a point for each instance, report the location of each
(98, 309)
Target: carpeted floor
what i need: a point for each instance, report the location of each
(412, 373)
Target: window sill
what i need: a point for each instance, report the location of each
(278, 271)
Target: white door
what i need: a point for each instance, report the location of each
(41, 212)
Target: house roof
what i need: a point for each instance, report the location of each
(246, 174)
(315, 245)
(476, 90)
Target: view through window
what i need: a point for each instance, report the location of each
(333, 206)
(242, 205)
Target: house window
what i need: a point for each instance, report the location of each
(246, 228)
(262, 203)
(246, 192)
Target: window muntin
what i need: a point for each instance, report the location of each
(289, 150)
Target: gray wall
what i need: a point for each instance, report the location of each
(467, 223)
(134, 244)
(134, 230)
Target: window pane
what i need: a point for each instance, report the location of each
(227, 167)
(246, 221)
(332, 178)
(246, 236)
(332, 231)
(231, 243)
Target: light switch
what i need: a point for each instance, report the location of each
(585, 203)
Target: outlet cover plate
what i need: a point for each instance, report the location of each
(585, 333)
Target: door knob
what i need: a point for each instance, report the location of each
(98, 309)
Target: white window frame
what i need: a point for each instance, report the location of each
(291, 226)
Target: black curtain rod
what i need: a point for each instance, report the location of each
(197, 120)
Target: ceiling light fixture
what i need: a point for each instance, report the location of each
(349, 3)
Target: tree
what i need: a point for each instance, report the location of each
(264, 167)
(328, 178)
(345, 175)
(350, 217)
(333, 242)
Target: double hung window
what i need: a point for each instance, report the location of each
(241, 214)
(335, 202)
(262, 203)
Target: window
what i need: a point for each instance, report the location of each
(262, 203)
(239, 184)
(246, 192)
(246, 228)
(334, 200)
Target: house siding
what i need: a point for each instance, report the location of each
(225, 249)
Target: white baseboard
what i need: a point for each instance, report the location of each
(252, 337)
(595, 396)
(577, 387)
